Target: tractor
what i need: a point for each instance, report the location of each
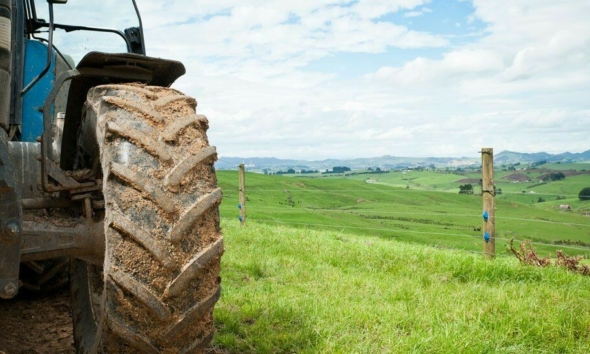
(107, 180)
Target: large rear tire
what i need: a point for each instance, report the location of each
(160, 279)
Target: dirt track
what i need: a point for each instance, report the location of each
(36, 325)
(41, 325)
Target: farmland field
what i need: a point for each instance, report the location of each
(294, 290)
(419, 207)
(337, 264)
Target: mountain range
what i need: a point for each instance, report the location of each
(393, 162)
(508, 157)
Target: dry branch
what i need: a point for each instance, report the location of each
(528, 256)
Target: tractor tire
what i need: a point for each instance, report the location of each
(160, 280)
(40, 277)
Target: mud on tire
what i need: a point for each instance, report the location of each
(159, 283)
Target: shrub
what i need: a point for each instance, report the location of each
(466, 189)
(584, 194)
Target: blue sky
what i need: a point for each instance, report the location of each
(314, 79)
(451, 19)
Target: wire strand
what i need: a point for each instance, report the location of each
(414, 232)
(360, 211)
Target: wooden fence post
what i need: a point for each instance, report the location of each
(489, 205)
(242, 189)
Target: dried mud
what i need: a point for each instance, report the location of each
(36, 325)
(130, 197)
(41, 325)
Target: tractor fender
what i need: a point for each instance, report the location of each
(104, 68)
(163, 72)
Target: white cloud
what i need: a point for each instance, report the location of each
(371, 9)
(522, 85)
(461, 64)
(418, 13)
(259, 41)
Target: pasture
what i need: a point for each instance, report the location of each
(297, 290)
(418, 207)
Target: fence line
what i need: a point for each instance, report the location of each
(539, 194)
(407, 190)
(416, 232)
(544, 221)
(359, 211)
(293, 210)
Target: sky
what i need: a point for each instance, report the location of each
(313, 79)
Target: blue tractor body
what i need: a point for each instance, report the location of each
(33, 100)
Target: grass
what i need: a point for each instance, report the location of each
(427, 216)
(566, 166)
(296, 290)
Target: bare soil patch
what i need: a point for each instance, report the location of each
(42, 325)
(37, 324)
(517, 177)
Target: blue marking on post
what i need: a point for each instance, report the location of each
(240, 206)
(486, 237)
(240, 218)
(485, 216)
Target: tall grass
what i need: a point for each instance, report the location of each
(291, 290)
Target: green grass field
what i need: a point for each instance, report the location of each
(298, 290)
(339, 265)
(429, 212)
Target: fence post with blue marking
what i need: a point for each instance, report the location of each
(489, 205)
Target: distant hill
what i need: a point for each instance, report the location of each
(393, 162)
(506, 157)
(383, 162)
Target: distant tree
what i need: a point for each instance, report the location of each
(540, 200)
(497, 191)
(584, 194)
(340, 169)
(378, 169)
(290, 170)
(558, 176)
(539, 163)
(466, 189)
(554, 176)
